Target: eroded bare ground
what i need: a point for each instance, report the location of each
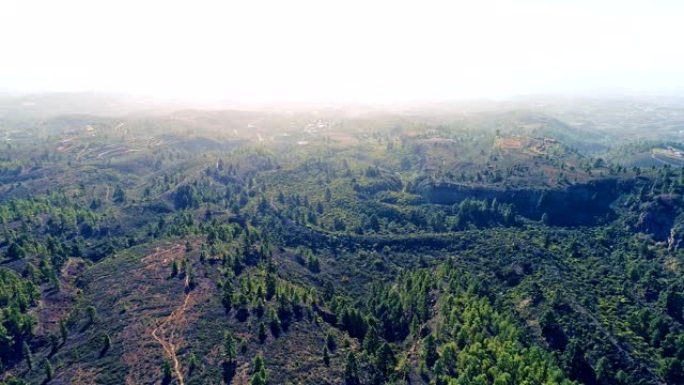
(84, 377)
(155, 332)
(242, 375)
(165, 332)
(57, 302)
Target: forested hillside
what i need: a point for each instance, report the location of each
(445, 246)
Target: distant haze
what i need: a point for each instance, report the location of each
(342, 50)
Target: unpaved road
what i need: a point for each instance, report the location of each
(167, 343)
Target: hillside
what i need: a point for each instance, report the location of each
(509, 244)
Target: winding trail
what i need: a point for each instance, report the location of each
(167, 344)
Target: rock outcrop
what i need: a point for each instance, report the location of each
(579, 204)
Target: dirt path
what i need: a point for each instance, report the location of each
(653, 156)
(167, 344)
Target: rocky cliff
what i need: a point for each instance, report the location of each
(580, 204)
(663, 218)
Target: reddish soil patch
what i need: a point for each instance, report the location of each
(515, 143)
(56, 304)
(151, 333)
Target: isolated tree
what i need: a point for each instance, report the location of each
(54, 344)
(193, 363)
(330, 341)
(229, 346)
(91, 314)
(119, 195)
(106, 344)
(374, 223)
(259, 376)
(184, 265)
(174, 269)
(190, 278)
(26, 351)
(63, 331)
(326, 356)
(166, 372)
(313, 264)
(49, 373)
(274, 323)
(242, 306)
(262, 332)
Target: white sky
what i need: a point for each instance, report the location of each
(341, 50)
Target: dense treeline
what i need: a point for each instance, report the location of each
(17, 296)
(462, 338)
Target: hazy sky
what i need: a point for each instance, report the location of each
(341, 50)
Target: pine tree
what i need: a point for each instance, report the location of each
(385, 360)
(227, 296)
(106, 344)
(259, 376)
(603, 370)
(63, 331)
(330, 341)
(166, 372)
(184, 265)
(49, 373)
(274, 323)
(351, 370)
(119, 195)
(374, 223)
(192, 363)
(91, 312)
(262, 332)
(313, 264)
(174, 269)
(14, 251)
(672, 371)
(54, 344)
(326, 356)
(449, 359)
(229, 346)
(190, 278)
(371, 342)
(430, 351)
(270, 286)
(26, 351)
